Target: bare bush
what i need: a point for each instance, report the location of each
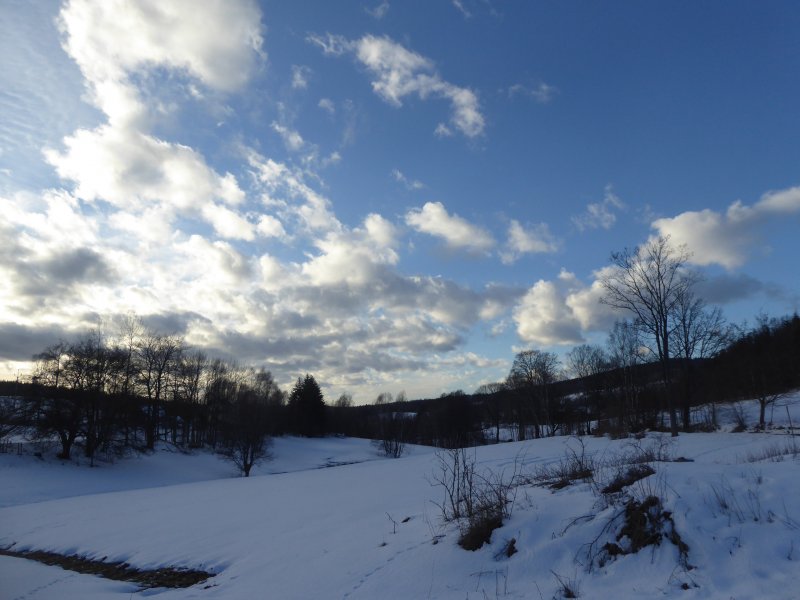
(738, 506)
(393, 434)
(646, 450)
(737, 408)
(576, 465)
(479, 501)
(567, 588)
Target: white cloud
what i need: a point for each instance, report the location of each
(541, 92)
(600, 214)
(150, 181)
(110, 40)
(228, 223)
(334, 158)
(213, 261)
(434, 219)
(132, 171)
(543, 316)
(332, 45)
(54, 217)
(312, 209)
(459, 5)
(380, 231)
(269, 226)
(300, 75)
(400, 72)
(536, 239)
(442, 131)
(409, 184)
(354, 257)
(327, 105)
(558, 312)
(727, 238)
(121, 166)
(291, 138)
(379, 11)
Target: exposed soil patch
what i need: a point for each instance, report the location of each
(170, 577)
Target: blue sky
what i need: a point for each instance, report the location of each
(390, 195)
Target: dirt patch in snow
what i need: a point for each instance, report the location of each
(169, 577)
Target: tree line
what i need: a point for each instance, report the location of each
(140, 387)
(672, 353)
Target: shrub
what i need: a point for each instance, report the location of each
(479, 501)
(478, 529)
(575, 466)
(568, 588)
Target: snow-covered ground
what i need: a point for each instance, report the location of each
(365, 528)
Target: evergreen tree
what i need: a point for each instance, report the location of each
(307, 407)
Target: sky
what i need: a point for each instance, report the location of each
(391, 196)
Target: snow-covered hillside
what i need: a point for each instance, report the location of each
(368, 527)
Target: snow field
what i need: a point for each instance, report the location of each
(313, 532)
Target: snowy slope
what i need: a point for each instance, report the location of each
(331, 533)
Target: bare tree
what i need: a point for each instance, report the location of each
(50, 364)
(493, 404)
(384, 398)
(700, 332)
(344, 401)
(625, 353)
(648, 282)
(102, 366)
(392, 432)
(75, 400)
(532, 375)
(246, 421)
(157, 357)
(586, 360)
(11, 417)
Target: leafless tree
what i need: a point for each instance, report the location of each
(531, 376)
(344, 401)
(700, 331)
(392, 430)
(50, 364)
(79, 380)
(625, 353)
(648, 282)
(12, 417)
(246, 420)
(384, 398)
(586, 360)
(157, 356)
(493, 404)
